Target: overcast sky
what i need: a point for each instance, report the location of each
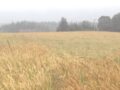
(53, 10)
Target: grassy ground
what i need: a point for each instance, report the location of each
(60, 61)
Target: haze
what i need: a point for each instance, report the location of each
(53, 10)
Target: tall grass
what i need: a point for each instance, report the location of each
(60, 61)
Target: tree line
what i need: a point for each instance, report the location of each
(84, 25)
(104, 23)
(26, 26)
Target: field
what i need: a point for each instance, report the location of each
(60, 61)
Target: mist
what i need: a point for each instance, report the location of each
(39, 10)
(55, 15)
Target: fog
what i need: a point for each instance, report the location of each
(53, 10)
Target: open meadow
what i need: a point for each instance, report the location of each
(60, 61)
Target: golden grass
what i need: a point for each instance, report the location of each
(60, 61)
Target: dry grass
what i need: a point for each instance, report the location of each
(60, 61)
